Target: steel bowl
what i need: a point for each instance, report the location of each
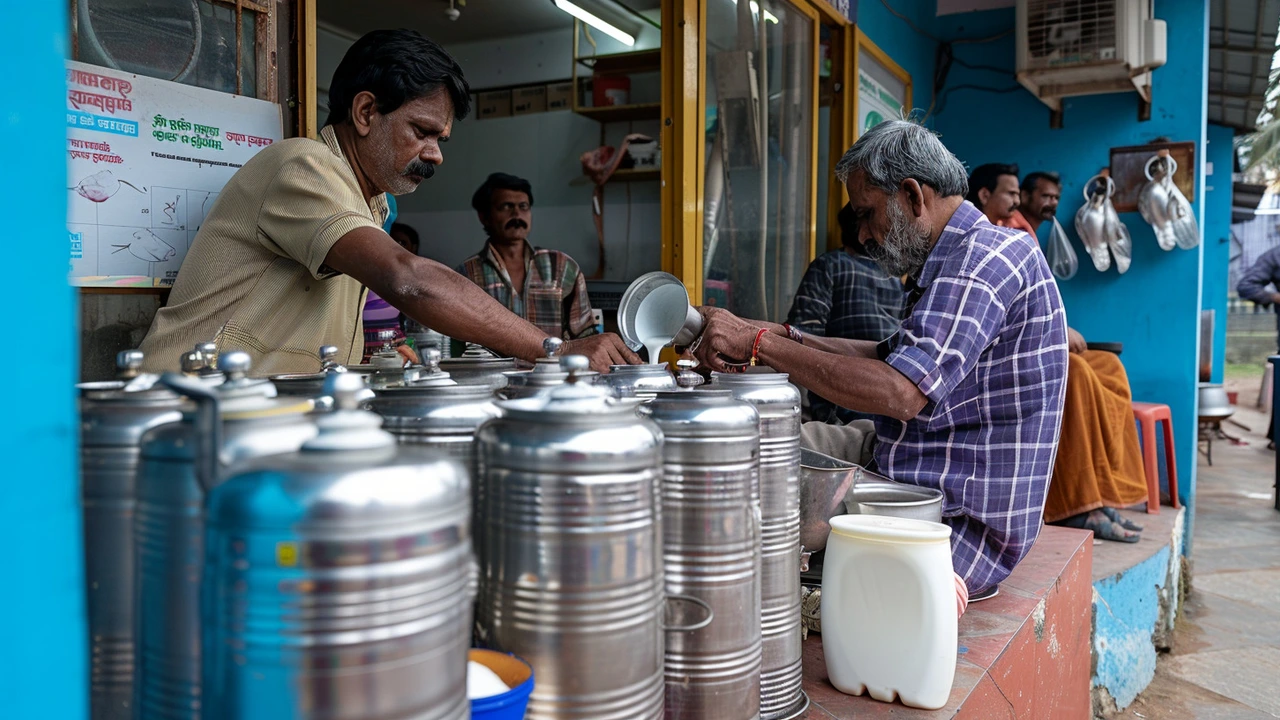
(1214, 403)
(896, 500)
(824, 482)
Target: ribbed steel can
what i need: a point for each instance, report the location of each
(478, 366)
(337, 584)
(642, 381)
(778, 403)
(173, 479)
(711, 551)
(571, 575)
(114, 416)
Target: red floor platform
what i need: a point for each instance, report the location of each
(1022, 654)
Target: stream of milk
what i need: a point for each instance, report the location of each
(660, 316)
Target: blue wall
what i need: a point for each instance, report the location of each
(913, 51)
(1217, 238)
(1154, 308)
(43, 670)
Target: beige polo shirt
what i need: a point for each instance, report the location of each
(254, 278)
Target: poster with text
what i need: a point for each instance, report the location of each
(875, 103)
(146, 159)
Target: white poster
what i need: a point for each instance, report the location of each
(146, 159)
(875, 103)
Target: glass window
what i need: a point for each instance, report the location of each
(187, 41)
(759, 184)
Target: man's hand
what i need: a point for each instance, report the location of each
(408, 354)
(725, 336)
(603, 351)
(1075, 341)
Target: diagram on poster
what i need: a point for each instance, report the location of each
(146, 160)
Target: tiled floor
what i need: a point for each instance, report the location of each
(1225, 662)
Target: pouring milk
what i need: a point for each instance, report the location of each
(660, 316)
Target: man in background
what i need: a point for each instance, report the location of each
(993, 189)
(846, 294)
(543, 286)
(1041, 191)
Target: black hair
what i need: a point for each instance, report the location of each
(483, 196)
(408, 231)
(1029, 182)
(848, 223)
(397, 66)
(987, 176)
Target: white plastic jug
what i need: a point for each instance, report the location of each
(889, 609)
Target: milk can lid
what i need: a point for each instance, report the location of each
(348, 428)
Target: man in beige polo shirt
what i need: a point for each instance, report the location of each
(281, 263)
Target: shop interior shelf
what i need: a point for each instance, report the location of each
(622, 113)
(624, 63)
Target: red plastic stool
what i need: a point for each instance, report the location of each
(1147, 415)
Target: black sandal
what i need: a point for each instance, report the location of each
(1101, 526)
(1124, 522)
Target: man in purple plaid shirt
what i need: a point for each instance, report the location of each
(968, 393)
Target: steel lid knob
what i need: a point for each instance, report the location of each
(431, 358)
(235, 364)
(552, 346)
(346, 389)
(191, 363)
(129, 362)
(575, 365)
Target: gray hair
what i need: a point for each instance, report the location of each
(896, 150)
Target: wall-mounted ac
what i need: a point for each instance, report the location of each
(1087, 47)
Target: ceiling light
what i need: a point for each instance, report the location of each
(596, 22)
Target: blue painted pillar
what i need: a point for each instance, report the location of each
(1216, 235)
(43, 665)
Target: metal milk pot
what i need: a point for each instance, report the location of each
(338, 579)
(571, 570)
(638, 381)
(233, 422)
(114, 416)
(477, 366)
(778, 403)
(711, 551)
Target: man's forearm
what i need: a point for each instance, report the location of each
(860, 383)
(842, 346)
(451, 304)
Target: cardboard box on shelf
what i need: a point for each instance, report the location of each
(493, 104)
(529, 100)
(560, 96)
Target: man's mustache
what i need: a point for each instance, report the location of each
(420, 168)
(516, 223)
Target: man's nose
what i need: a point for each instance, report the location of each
(431, 153)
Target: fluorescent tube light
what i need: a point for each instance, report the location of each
(596, 22)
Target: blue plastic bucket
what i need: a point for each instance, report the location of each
(513, 671)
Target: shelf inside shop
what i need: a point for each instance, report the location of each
(624, 63)
(622, 113)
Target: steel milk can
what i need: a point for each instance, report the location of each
(233, 422)
(113, 417)
(310, 385)
(642, 381)
(778, 403)
(711, 551)
(337, 583)
(572, 567)
(478, 366)
(546, 373)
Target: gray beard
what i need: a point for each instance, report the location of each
(905, 249)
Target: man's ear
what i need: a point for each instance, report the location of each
(914, 196)
(983, 196)
(363, 108)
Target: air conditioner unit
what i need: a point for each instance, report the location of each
(1087, 47)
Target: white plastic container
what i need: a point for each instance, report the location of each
(889, 609)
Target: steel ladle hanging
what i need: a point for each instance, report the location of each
(1091, 222)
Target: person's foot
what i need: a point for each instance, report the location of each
(1101, 526)
(1115, 517)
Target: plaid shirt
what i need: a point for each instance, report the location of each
(985, 340)
(845, 296)
(555, 291)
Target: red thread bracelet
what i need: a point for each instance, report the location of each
(755, 346)
(793, 333)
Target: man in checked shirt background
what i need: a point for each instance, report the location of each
(968, 393)
(541, 285)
